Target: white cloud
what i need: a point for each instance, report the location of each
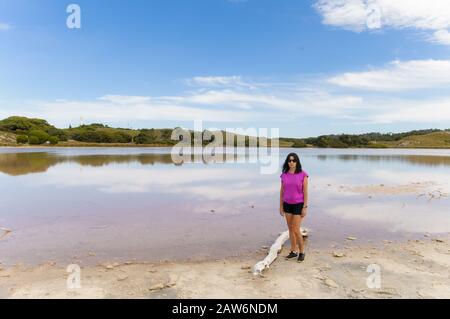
(359, 15)
(397, 76)
(269, 102)
(116, 108)
(395, 217)
(125, 99)
(313, 102)
(410, 111)
(352, 109)
(207, 183)
(218, 81)
(5, 26)
(228, 97)
(386, 99)
(441, 36)
(387, 102)
(349, 14)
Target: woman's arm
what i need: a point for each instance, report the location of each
(281, 200)
(305, 196)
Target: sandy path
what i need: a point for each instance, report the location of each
(413, 269)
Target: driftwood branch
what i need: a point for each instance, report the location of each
(5, 232)
(274, 250)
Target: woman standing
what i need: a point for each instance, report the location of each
(294, 203)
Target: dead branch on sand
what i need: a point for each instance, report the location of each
(274, 250)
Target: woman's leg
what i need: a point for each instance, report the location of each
(292, 239)
(297, 221)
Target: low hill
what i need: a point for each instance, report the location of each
(431, 140)
(7, 138)
(22, 125)
(39, 131)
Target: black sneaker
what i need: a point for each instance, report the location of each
(291, 255)
(301, 257)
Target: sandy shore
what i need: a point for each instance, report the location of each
(411, 269)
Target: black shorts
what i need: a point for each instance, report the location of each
(295, 209)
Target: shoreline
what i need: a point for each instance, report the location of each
(165, 146)
(409, 269)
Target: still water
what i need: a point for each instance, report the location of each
(90, 205)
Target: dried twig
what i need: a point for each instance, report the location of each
(274, 250)
(5, 231)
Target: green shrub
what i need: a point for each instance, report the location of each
(53, 140)
(22, 139)
(146, 136)
(377, 145)
(41, 135)
(121, 137)
(18, 124)
(92, 136)
(60, 134)
(34, 140)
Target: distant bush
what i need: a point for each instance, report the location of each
(296, 143)
(339, 141)
(121, 137)
(60, 134)
(92, 136)
(41, 135)
(22, 139)
(377, 145)
(34, 140)
(18, 124)
(148, 136)
(53, 140)
(299, 144)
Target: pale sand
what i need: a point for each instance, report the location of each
(418, 188)
(390, 189)
(412, 269)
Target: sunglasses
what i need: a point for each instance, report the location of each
(292, 161)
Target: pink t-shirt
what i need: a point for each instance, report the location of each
(293, 187)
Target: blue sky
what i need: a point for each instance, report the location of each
(305, 67)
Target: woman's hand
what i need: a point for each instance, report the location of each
(282, 211)
(304, 212)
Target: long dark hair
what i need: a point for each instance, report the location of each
(298, 168)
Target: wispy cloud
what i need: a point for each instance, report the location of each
(410, 111)
(223, 106)
(5, 26)
(381, 95)
(398, 76)
(358, 15)
(115, 108)
(441, 36)
(219, 81)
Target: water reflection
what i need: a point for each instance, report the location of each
(22, 163)
(408, 159)
(15, 164)
(125, 203)
(403, 216)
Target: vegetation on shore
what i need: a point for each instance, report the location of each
(418, 138)
(22, 131)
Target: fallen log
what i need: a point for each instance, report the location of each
(274, 250)
(5, 232)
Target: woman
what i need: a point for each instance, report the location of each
(294, 203)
